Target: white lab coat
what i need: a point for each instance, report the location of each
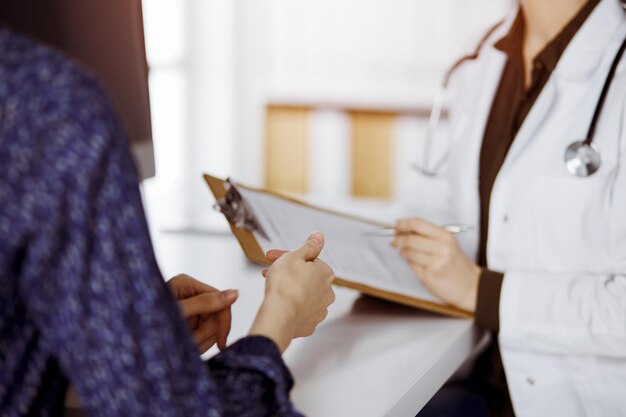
(560, 240)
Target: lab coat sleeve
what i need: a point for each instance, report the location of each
(572, 313)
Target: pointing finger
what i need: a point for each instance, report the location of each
(416, 242)
(207, 303)
(419, 226)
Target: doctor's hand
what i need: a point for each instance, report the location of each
(206, 309)
(437, 259)
(298, 292)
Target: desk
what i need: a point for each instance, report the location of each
(368, 358)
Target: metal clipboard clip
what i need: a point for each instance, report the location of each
(235, 209)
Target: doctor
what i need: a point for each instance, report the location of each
(545, 270)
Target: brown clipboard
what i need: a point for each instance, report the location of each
(254, 253)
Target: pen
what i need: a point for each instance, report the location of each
(390, 231)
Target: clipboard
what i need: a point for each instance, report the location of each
(243, 225)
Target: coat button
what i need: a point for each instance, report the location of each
(505, 219)
(530, 381)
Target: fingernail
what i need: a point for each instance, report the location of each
(229, 295)
(316, 237)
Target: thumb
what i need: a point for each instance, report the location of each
(207, 303)
(311, 249)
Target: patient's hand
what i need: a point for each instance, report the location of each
(298, 292)
(206, 309)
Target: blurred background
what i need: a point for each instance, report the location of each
(324, 99)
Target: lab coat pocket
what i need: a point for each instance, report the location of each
(569, 219)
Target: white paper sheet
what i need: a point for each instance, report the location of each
(349, 250)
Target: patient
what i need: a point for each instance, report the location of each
(82, 300)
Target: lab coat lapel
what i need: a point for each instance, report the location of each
(578, 63)
(481, 81)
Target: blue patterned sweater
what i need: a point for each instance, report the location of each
(82, 300)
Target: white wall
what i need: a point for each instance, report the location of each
(241, 54)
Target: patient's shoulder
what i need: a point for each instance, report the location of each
(50, 104)
(31, 71)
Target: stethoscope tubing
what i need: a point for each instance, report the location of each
(439, 103)
(605, 90)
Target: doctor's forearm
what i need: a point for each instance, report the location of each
(488, 300)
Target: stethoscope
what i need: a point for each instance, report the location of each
(582, 158)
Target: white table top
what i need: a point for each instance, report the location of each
(368, 358)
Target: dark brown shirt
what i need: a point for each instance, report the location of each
(511, 105)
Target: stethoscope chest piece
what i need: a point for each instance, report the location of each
(582, 159)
